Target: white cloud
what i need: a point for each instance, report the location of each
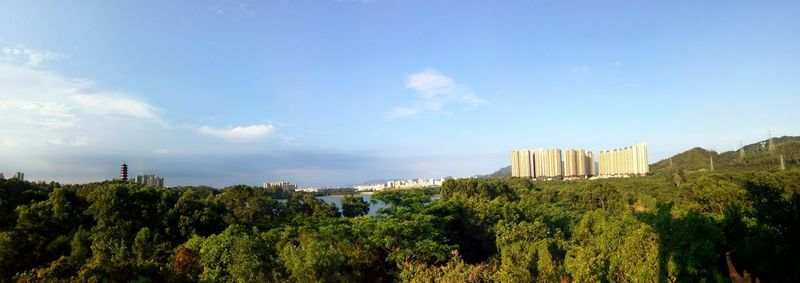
(116, 105)
(235, 9)
(42, 108)
(579, 69)
(435, 91)
(239, 134)
(161, 151)
(33, 57)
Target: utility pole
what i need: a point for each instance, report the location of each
(783, 165)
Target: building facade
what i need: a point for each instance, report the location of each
(547, 164)
(285, 186)
(578, 163)
(543, 163)
(150, 180)
(522, 163)
(627, 161)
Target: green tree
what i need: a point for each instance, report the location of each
(233, 255)
(354, 206)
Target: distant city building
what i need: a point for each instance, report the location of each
(123, 172)
(540, 163)
(578, 163)
(374, 187)
(150, 180)
(285, 186)
(308, 190)
(522, 163)
(401, 184)
(627, 161)
(19, 176)
(547, 163)
(414, 183)
(2, 177)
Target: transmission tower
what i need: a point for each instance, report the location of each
(741, 150)
(771, 147)
(783, 165)
(712, 162)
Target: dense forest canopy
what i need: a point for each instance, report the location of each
(657, 228)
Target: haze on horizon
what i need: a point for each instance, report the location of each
(337, 92)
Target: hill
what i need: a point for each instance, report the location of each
(695, 159)
(502, 172)
(756, 156)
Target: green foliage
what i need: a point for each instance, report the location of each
(232, 256)
(354, 206)
(671, 227)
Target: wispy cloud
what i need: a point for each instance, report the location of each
(579, 69)
(31, 57)
(40, 107)
(435, 91)
(235, 9)
(116, 105)
(240, 133)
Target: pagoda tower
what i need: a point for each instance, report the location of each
(123, 172)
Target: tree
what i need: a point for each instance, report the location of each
(233, 255)
(354, 206)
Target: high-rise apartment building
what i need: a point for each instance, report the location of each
(284, 186)
(627, 161)
(578, 163)
(591, 163)
(547, 163)
(19, 176)
(522, 163)
(150, 180)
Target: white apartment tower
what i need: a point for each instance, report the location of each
(627, 161)
(522, 163)
(578, 163)
(547, 163)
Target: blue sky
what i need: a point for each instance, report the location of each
(331, 92)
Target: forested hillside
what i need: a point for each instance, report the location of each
(754, 157)
(658, 228)
(502, 172)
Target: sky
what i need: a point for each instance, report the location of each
(341, 92)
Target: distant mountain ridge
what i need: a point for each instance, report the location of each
(756, 156)
(502, 172)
